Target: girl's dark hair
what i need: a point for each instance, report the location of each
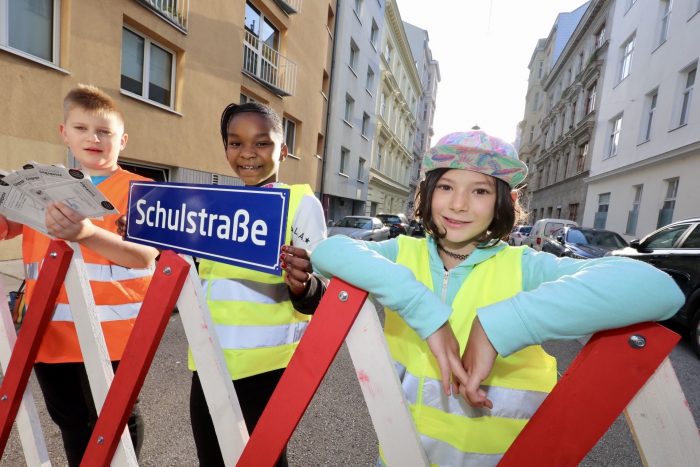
(505, 212)
(263, 110)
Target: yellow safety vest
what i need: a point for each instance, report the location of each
(257, 326)
(452, 432)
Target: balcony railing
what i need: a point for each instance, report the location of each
(266, 65)
(173, 11)
(289, 6)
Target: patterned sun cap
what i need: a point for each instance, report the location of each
(478, 152)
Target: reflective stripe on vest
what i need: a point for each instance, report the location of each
(245, 291)
(453, 432)
(104, 312)
(255, 322)
(98, 272)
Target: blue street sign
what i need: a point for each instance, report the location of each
(243, 226)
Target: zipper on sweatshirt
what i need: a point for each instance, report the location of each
(445, 280)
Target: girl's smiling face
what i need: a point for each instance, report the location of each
(254, 149)
(463, 206)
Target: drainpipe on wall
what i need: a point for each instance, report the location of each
(325, 200)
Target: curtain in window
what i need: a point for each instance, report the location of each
(132, 62)
(159, 87)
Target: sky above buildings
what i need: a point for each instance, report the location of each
(483, 47)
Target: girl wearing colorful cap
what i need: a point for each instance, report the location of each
(499, 302)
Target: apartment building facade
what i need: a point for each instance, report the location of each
(399, 93)
(429, 72)
(352, 120)
(172, 66)
(646, 161)
(574, 63)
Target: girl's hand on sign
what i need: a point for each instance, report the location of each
(297, 264)
(444, 346)
(478, 360)
(67, 224)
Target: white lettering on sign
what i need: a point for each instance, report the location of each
(237, 227)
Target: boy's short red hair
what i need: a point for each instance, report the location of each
(91, 99)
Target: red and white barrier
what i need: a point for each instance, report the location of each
(605, 378)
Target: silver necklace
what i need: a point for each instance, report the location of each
(453, 255)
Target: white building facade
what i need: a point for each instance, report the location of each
(353, 100)
(398, 96)
(429, 72)
(646, 161)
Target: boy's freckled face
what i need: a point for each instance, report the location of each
(94, 139)
(254, 149)
(463, 207)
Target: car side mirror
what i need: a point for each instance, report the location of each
(635, 244)
(560, 239)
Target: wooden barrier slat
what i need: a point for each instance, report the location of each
(145, 337)
(598, 385)
(314, 355)
(39, 312)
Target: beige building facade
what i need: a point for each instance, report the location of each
(399, 94)
(172, 70)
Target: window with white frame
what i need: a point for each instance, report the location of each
(581, 158)
(651, 101)
(388, 50)
(579, 67)
(358, 7)
(290, 134)
(614, 138)
(669, 205)
(540, 69)
(349, 107)
(687, 95)
(601, 216)
(627, 50)
(600, 36)
(344, 159)
(354, 54)
(361, 170)
(382, 105)
(31, 27)
(365, 124)
(374, 34)
(369, 83)
(378, 159)
(633, 215)
(148, 69)
(666, 6)
(590, 98)
(532, 134)
(244, 99)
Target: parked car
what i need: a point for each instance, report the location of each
(397, 223)
(418, 230)
(675, 249)
(582, 242)
(361, 228)
(544, 228)
(518, 234)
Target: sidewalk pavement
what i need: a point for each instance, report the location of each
(11, 274)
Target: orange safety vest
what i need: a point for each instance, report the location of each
(118, 291)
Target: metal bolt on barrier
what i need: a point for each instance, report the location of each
(100, 439)
(53, 254)
(343, 296)
(167, 270)
(636, 341)
(4, 397)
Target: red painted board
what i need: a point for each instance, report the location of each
(150, 325)
(323, 337)
(602, 380)
(37, 318)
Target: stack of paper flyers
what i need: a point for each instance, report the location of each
(25, 194)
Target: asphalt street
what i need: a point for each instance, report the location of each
(336, 429)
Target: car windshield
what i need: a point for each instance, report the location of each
(525, 230)
(355, 223)
(390, 219)
(595, 238)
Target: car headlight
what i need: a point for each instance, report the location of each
(571, 254)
